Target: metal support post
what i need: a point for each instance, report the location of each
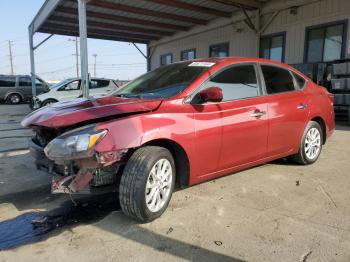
(32, 63)
(258, 33)
(83, 48)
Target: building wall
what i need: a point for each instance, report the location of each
(243, 41)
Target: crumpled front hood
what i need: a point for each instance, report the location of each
(78, 110)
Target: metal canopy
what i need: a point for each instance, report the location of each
(135, 21)
(138, 21)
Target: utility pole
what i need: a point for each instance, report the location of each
(76, 53)
(10, 56)
(95, 55)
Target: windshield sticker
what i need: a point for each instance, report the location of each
(202, 64)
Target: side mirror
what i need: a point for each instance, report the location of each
(210, 94)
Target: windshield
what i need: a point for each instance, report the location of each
(164, 82)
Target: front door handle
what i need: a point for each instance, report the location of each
(302, 106)
(258, 114)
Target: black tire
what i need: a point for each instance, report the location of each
(14, 99)
(132, 188)
(301, 157)
(48, 101)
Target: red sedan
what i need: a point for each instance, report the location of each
(180, 125)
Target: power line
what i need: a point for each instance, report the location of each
(47, 60)
(58, 70)
(113, 54)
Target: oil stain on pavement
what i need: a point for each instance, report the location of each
(34, 226)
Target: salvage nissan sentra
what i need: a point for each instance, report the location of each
(180, 125)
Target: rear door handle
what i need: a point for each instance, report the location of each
(302, 106)
(258, 114)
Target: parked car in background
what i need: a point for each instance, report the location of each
(70, 89)
(180, 125)
(15, 89)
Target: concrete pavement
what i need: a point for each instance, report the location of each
(275, 212)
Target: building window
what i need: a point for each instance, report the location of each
(166, 59)
(325, 42)
(219, 50)
(188, 54)
(273, 46)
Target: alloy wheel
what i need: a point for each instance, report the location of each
(312, 143)
(158, 186)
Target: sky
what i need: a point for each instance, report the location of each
(55, 59)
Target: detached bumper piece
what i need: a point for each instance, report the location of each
(72, 184)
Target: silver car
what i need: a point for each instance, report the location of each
(70, 89)
(15, 89)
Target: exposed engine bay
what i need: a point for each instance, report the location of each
(89, 172)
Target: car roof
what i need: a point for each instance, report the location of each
(229, 60)
(220, 60)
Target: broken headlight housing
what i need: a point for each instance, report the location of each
(75, 144)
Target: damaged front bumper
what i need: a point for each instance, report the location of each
(96, 174)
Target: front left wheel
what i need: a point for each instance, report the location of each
(147, 183)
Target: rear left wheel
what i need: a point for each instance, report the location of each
(14, 99)
(311, 144)
(147, 183)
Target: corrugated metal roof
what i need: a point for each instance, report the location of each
(132, 20)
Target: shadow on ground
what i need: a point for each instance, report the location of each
(33, 227)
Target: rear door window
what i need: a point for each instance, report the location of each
(277, 80)
(236, 82)
(7, 81)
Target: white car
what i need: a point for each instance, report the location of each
(70, 89)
